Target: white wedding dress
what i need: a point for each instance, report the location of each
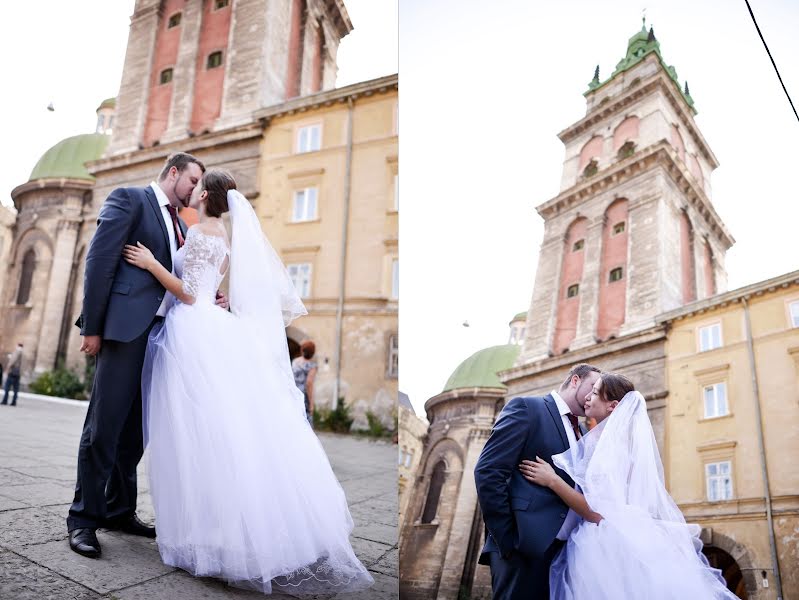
(241, 486)
(642, 548)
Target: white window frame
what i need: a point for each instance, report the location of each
(395, 278)
(719, 402)
(706, 334)
(793, 313)
(309, 138)
(396, 192)
(393, 352)
(301, 281)
(408, 459)
(717, 488)
(308, 198)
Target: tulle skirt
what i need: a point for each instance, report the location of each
(241, 486)
(630, 555)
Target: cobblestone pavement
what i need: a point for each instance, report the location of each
(38, 451)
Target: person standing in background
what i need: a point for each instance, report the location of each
(12, 380)
(304, 375)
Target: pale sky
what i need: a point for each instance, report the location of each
(486, 87)
(72, 53)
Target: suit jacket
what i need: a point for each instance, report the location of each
(119, 299)
(520, 515)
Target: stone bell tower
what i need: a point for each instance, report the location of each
(199, 66)
(633, 231)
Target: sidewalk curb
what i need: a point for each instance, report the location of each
(53, 399)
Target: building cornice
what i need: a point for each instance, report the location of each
(660, 81)
(568, 359)
(213, 139)
(733, 297)
(302, 104)
(661, 153)
(59, 183)
(471, 393)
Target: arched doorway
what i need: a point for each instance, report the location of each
(730, 570)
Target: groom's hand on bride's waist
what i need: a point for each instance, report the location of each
(91, 344)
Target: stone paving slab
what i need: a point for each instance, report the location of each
(38, 450)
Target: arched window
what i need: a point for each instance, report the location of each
(434, 492)
(26, 277)
(174, 21)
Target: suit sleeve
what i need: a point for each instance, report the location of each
(114, 224)
(498, 460)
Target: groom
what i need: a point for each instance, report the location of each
(121, 304)
(527, 524)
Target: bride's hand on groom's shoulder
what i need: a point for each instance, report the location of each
(539, 472)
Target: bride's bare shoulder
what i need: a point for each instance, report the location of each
(212, 229)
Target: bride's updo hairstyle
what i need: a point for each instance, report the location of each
(614, 387)
(217, 182)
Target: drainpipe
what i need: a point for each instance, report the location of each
(343, 264)
(764, 468)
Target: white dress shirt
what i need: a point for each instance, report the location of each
(163, 202)
(572, 518)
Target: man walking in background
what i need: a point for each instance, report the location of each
(14, 369)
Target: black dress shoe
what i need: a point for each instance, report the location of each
(133, 526)
(84, 541)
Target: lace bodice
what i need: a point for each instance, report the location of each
(199, 262)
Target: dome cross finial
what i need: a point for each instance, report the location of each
(643, 20)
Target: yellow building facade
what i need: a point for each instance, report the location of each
(328, 200)
(733, 373)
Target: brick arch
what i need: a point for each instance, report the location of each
(591, 150)
(571, 273)
(627, 131)
(613, 294)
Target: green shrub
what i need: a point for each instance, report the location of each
(376, 428)
(60, 382)
(339, 420)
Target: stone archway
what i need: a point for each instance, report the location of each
(734, 562)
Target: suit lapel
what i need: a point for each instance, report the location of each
(552, 407)
(153, 200)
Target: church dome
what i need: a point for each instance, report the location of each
(68, 157)
(480, 369)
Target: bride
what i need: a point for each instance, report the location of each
(634, 541)
(241, 486)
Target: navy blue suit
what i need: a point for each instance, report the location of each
(119, 304)
(522, 519)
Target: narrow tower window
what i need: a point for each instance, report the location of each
(166, 76)
(578, 245)
(221, 4)
(616, 274)
(26, 278)
(618, 228)
(174, 21)
(573, 290)
(214, 60)
(434, 492)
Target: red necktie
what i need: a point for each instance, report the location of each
(174, 213)
(575, 427)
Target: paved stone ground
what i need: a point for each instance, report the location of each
(38, 449)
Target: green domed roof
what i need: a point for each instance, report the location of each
(108, 103)
(67, 157)
(520, 316)
(480, 369)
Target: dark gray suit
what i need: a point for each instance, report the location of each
(522, 519)
(119, 304)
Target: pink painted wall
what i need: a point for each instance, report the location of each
(167, 41)
(208, 83)
(687, 260)
(296, 44)
(613, 295)
(626, 131)
(676, 141)
(592, 149)
(571, 273)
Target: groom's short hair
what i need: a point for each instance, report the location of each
(179, 160)
(581, 371)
